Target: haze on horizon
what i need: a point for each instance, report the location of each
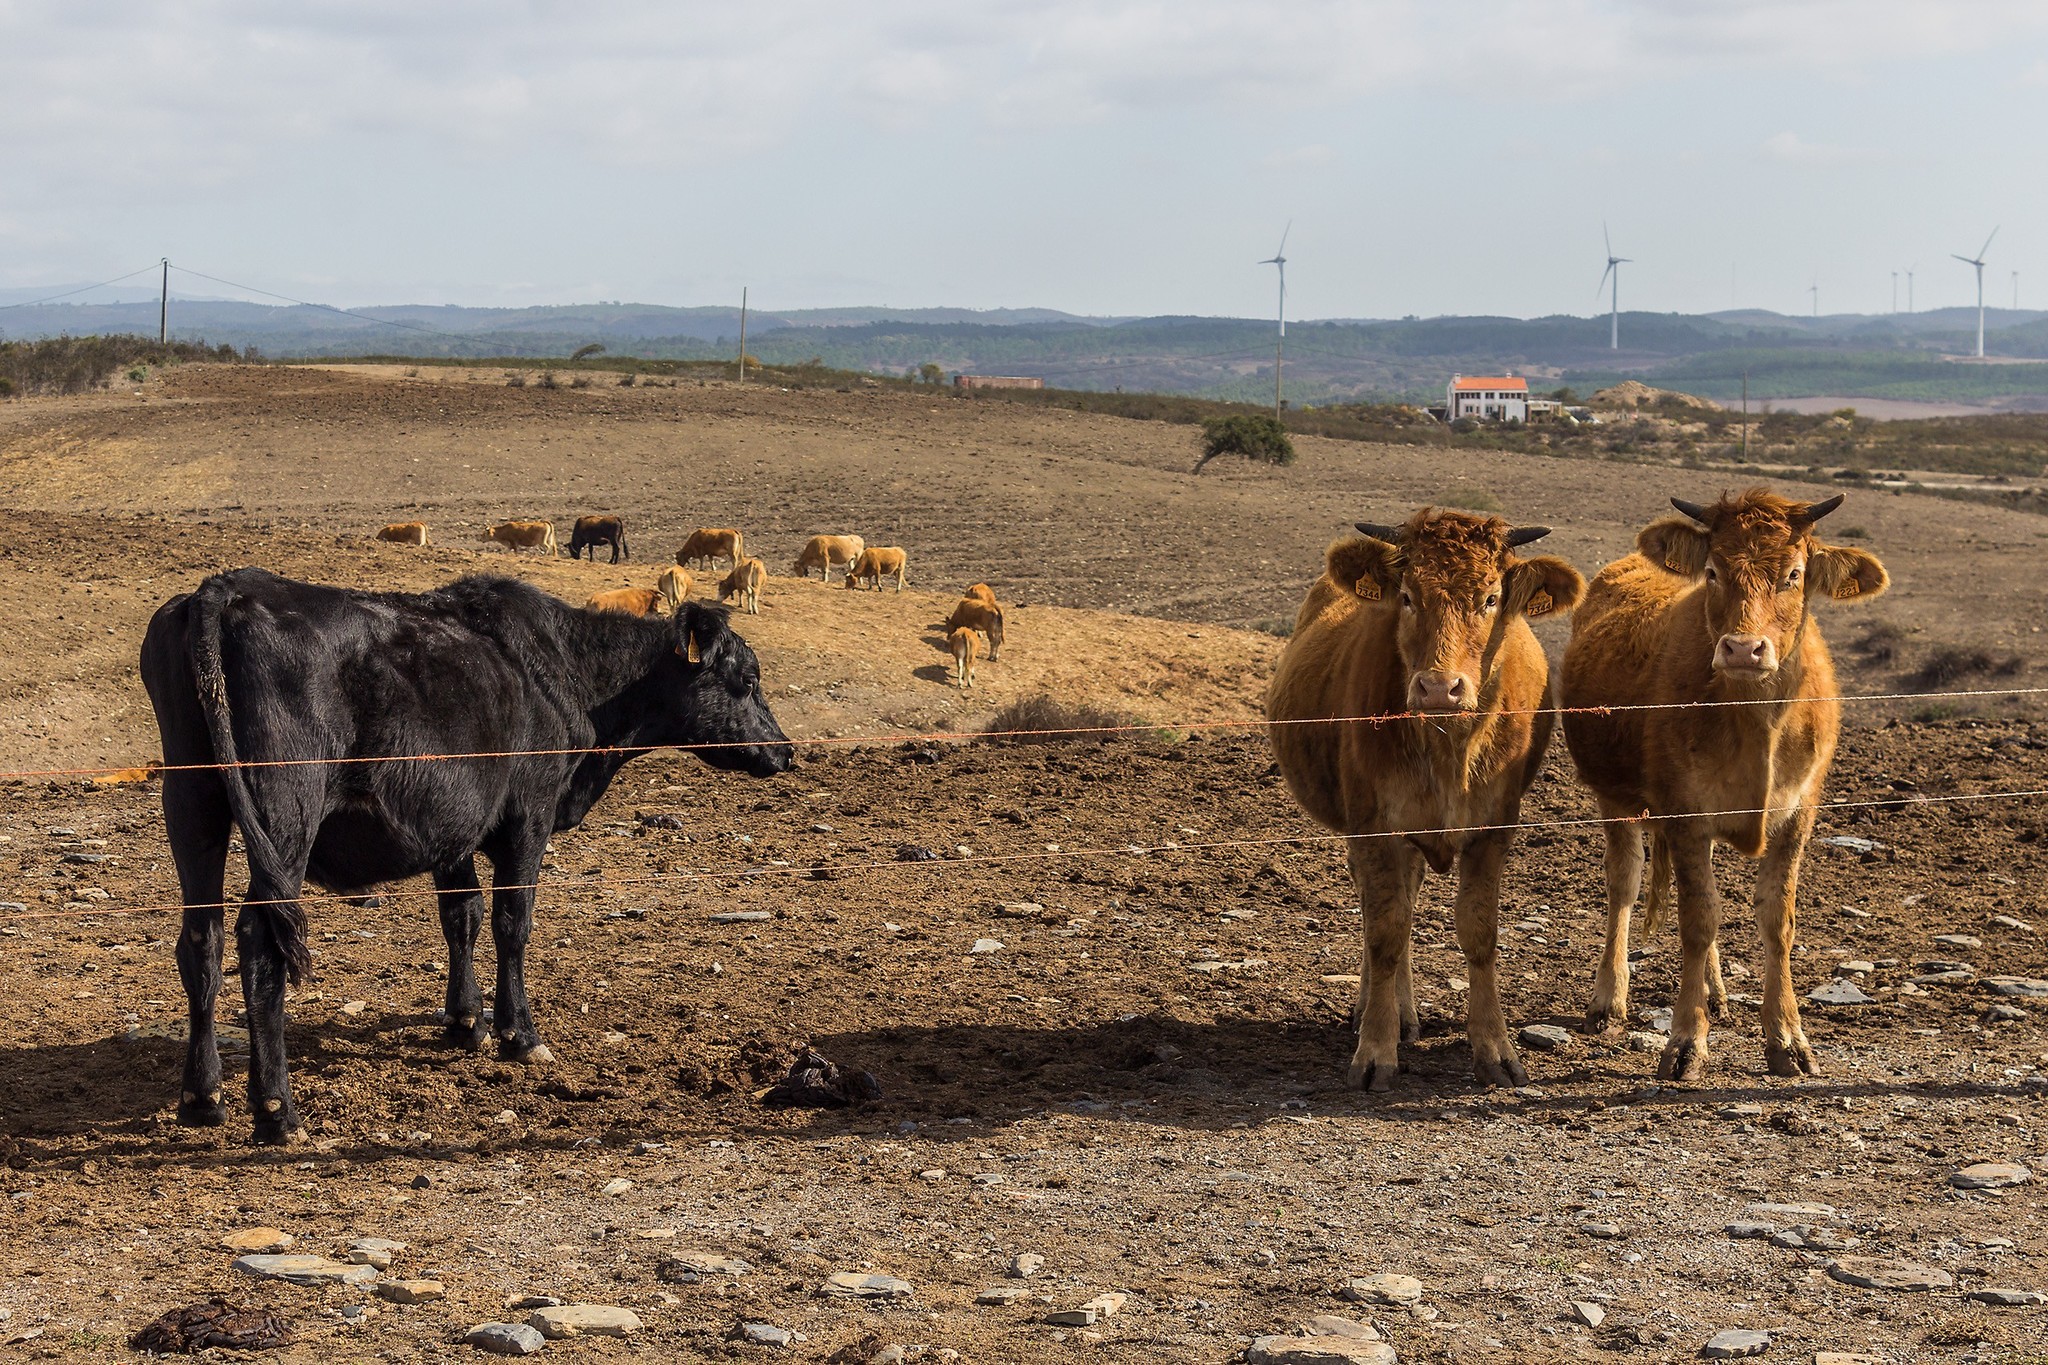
(1103, 158)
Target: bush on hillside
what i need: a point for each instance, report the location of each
(77, 364)
(1252, 435)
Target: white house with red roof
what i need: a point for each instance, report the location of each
(1488, 398)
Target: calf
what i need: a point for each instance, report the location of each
(629, 601)
(1424, 618)
(269, 693)
(823, 553)
(674, 584)
(709, 544)
(745, 582)
(524, 535)
(405, 533)
(591, 532)
(1715, 606)
(963, 644)
(875, 564)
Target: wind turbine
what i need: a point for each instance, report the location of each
(1614, 302)
(1814, 289)
(1279, 258)
(1978, 261)
(1895, 291)
(1909, 286)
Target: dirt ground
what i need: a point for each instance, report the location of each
(1140, 1074)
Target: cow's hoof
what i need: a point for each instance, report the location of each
(1604, 1019)
(1796, 1060)
(1506, 1071)
(471, 1038)
(1682, 1061)
(536, 1055)
(1411, 1030)
(1717, 1005)
(270, 1133)
(1372, 1075)
(202, 1114)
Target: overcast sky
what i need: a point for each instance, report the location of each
(1091, 155)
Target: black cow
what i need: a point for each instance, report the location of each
(595, 531)
(252, 668)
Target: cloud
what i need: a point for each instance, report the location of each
(1794, 150)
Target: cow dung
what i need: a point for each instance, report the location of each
(213, 1325)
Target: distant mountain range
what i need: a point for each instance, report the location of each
(1896, 356)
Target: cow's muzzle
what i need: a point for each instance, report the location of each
(1438, 691)
(1750, 657)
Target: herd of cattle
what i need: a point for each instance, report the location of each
(1410, 712)
(974, 628)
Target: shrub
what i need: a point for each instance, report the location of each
(1252, 435)
(548, 381)
(626, 380)
(1040, 719)
(137, 374)
(68, 364)
(1946, 666)
(581, 381)
(1855, 533)
(515, 380)
(1473, 500)
(585, 352)
(1880, 643)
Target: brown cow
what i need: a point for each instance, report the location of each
(629, 601)
(824, 553)
(982, 614)
(877, 563)
(963, 644)
(594, 531)
(745, 580)
(674, 584)
(405, 533)
(981, 592)
(711, 544)
(524, 535)
(1429, 618)
(1715, 606)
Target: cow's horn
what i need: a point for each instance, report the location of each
(1814, 511)
(1377, 531)
(1522, 535)
(1691, 509)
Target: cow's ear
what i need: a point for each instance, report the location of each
(702, 632)
(1845, 573)
(1543, 585)
(1360, 564)
(1675, 545)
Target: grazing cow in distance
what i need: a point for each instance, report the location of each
(268, 693)
(745, 582)
(591, 532)
(1715, 606)
(628, 601)
(824, 553)
(964, 645)
(711, 544)
(982, 614)
(877, 563)
(980, 592)
(405, 533)
(1425, 618)
(675, 586)
(524, 535)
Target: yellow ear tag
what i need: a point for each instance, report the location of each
(1540, 603)
(692, 655)
(1368, 588)
(1846, 588)
(1673, 566)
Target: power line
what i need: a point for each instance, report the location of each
(86, 290)
(328, 307)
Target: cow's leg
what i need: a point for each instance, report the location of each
(462, 915)
(1699, 924)
(1717, 989)
(264, 975)
(1624, 882)
(516, 867)
(196, 820)
(1494, 1059)
(1786, 1052)
(1388, 874)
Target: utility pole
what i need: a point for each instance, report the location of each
(743, 334)
(1909, 291)
(1895, 291)
(1745, 414)
(163, 307)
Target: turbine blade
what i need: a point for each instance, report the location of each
(1987, 243)
(1966, 260)
(1603, 278)
(1605, 237)
(1283, 238)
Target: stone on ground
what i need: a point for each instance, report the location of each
(1002, 1295)
(1869, 1272)
(847, 1284)
(1840, 991)
(1025, 1264)
(584, 1320)
(376, 1251)
(1318, 1351)
(264, 1241)
(1733, 1343)
(411, 1291)
(765, 1334)
(1330, 1325)
(1546, 1038)
(1088, 1314)
(1384, 1288)
(505, 1338)
(1588, 1312)
(304, 1270)
(1989, 1175)
(2008, 1298)
(2017, 987)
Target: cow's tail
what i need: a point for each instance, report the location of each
(1658, 907)
(284, 920)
